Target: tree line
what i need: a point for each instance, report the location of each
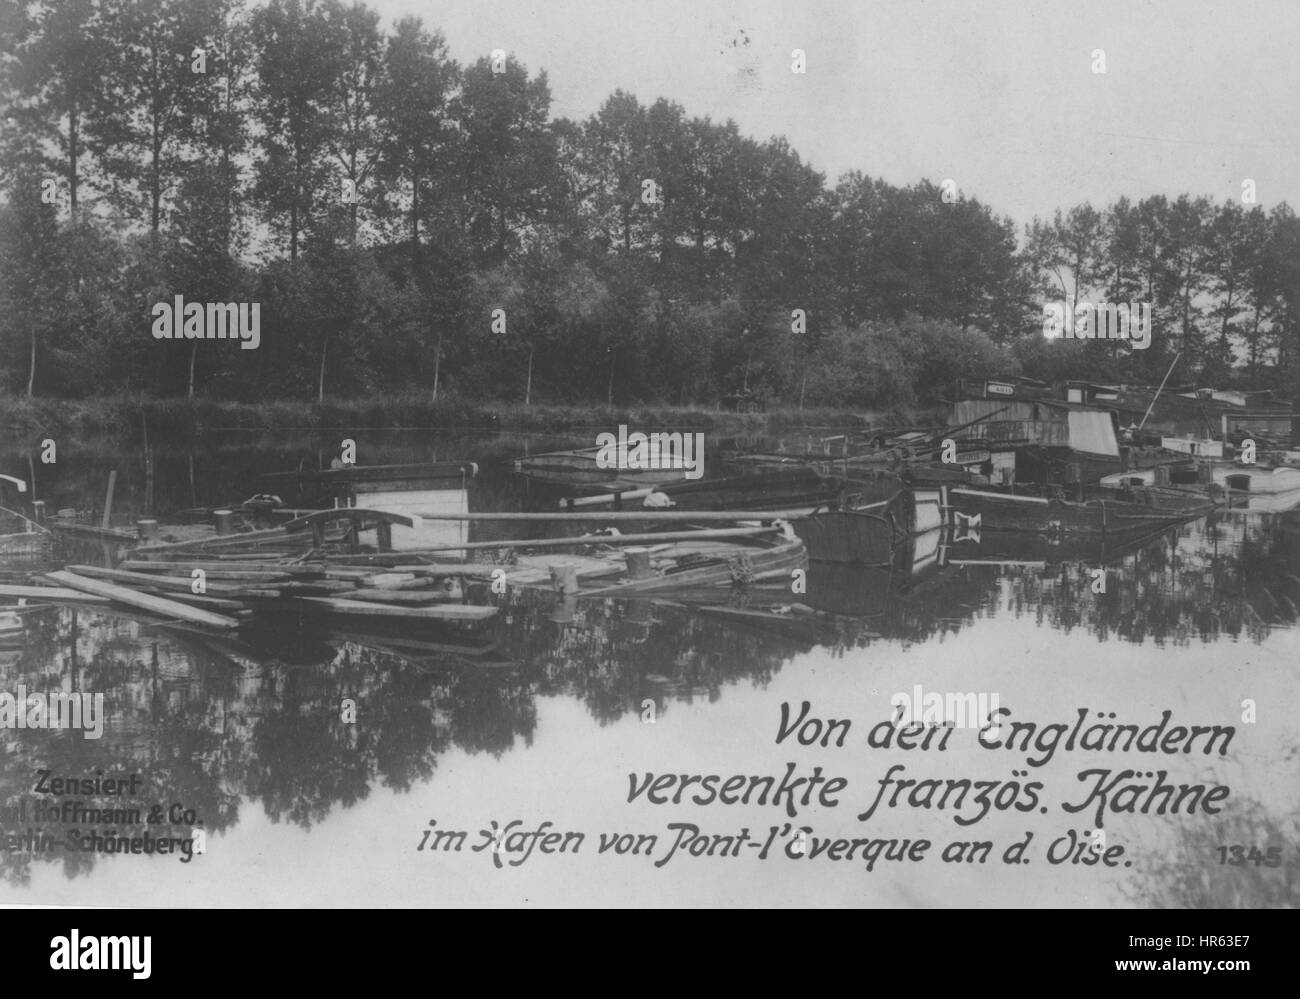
(408, 223)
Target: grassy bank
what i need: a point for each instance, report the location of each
(125, 418)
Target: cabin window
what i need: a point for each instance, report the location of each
(1004, 468)
(1241, 483)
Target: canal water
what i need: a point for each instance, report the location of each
(734, 749)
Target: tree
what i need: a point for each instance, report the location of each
(154, 97)
(299, 62)
(416, 134)
(31, 273)
(354, 135)
(617, 158)
(507, 156)
(58, 75)
(1283, 268)
(1235, 237)
(1186, 268)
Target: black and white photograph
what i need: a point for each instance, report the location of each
(692, 455)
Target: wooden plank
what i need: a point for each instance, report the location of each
(315, 588)
(410, 597)
(108, 499)
(214, 570)
(90, 531)
(391, 581)
(361, 573)
(439, 612)
(211, 603)
(55, 593)
(422, 571)
(613, 540)
(624, 515)
(627, 497)
(533, 575)
(351, 573)
(452, 472)
(144, 601)
(161, 582)
(252, 559)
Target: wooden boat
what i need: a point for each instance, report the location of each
(1102, 512)
(1039, 441)
(852, 536)
(1185, 474)
(1259, 488)
(394, 489)
(580, 468)
(865, 447)
(1007, 549)
(867, 532)
(784, 489)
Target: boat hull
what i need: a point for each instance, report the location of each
(980, 510)
(848, 536)
(1258, 488)
(592, 468)
(26, 546)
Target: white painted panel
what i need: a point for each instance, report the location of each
(425, 533)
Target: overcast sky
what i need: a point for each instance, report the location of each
(1197, 96)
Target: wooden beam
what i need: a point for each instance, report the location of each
(108, 499)
(637, 516)
(159, 581)
(211, 603)
(411, 597)
(608, 539)
(214, 570)
(437, 612)
(91, 531)
(55, 593)
(144, 601)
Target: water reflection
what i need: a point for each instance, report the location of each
(224, 723)
(257, 719)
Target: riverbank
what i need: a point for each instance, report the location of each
(131, 418)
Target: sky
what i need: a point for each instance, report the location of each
(999, 96)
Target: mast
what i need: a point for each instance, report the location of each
(1159, 390)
